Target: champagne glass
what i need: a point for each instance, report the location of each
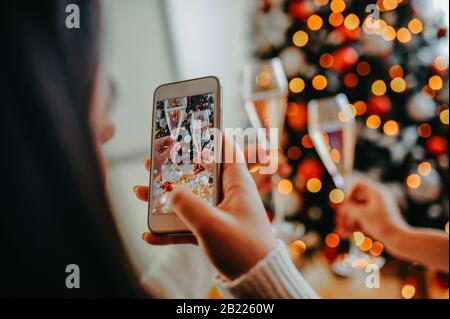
(265, 93)
(331, 126)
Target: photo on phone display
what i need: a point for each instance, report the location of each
(183, 148)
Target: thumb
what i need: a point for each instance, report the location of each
(193, 211)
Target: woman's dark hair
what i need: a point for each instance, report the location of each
(54, 211)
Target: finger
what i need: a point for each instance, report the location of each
(141, 192)
(161, 240)
(193, 211)
(147, 163)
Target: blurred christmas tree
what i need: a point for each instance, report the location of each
(390, 58)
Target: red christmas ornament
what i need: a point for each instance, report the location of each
(345, 58)
(379, 105)
(437, 145)
(301, 10)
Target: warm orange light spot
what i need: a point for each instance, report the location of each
(363, 68)
(373, 122)
(264, 78)
(337, 5)
(361, 107)
(297, 248)
(296, 85)
(389, 33)
(446, 228)
(403, 35)
(391, 128)
(377, 249)
(351, 80)
(336, 196)
(428, 91)
(390, 4)
(307, 142)
(441, 63)
(408, 291)
(351, 21)
(366, 244)
(358, 238)
(435, 82)
(336, 19)
(320, 2)
(424, 168)
(335, 155)
(398, 85)
(413, 181)
(379, 88)
(326, 60)
(381, 28)
(396, 71)
(285, 187)
(294, 153)
(319, 82)
(424, 130)
(332, 240)
(314, 22)
(292, 109)
(300, 38)
(314, 185)
(443, 116)
(415, 26)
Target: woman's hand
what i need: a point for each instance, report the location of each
(236, 234)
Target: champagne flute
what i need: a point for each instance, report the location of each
(265, 94)
(331, 126)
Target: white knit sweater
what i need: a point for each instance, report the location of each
(275, 276)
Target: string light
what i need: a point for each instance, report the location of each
(336, 19)
(360, 107)
(336, 196)
(435, 82)
(300, 38)
(363, 68)
(351, 21)
(391, 128)
(376, 249)
(285, 187)
(351, 80)
(314, 185)
(403, 35)
(294, 153)
(319, 82)
(415, 26)
(408, 291)
(424, 130)
(424, 168)
(389, 33)
(296, 85)
(358, 238)
(314, 22)
(413, 181)
(443, 116)
(398, 85)
(326, 60)
(307, 142)
(373, 122)
(396, 71)
(337, 5)
(332, 240)
(379, 87)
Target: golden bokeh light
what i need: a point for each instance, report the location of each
(296, 85)
(360, 107)
(336, 196)
(307, 142)
(332, 240)
(285, 187)
(314, 22)
(300, 38)
(366, 244)
(446, 228)
(326, 60)
(337, 5)
(319, 82)
(435, 82)
(415, 26)
(294, 153)
(396, 71)
(351, 21)
(389, 33)
(351, 80)
(424, 130)
(320, 2)
(314, 185)
(413, 181)
(408, 291)
(373, 122)
(335, 155)
(336, 19)
(390, 4)
(398, 85)
(443, 116)
(424, 168)
(379, 87)
(403, 35)
(358, 238)
(376, 249)
(297, 248)
(391, 128)
(363, 68)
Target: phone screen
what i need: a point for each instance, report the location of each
(183, 148)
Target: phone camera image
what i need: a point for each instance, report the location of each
(183, 150)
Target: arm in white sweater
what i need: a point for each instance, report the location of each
(273, 277)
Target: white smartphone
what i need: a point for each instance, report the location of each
(186, 145)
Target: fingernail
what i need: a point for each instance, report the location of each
(135, 189)
(143, 236)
